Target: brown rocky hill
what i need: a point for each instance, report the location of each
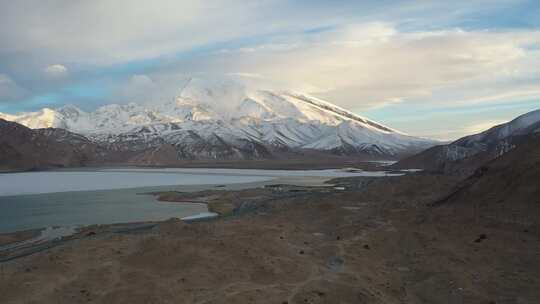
(466, 154)
(506, 189)
(22, 148)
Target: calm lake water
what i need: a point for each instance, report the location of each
(34, 200)
(71, 209)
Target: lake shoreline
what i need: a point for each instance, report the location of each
(225, 203)
(79, 198)
(220, 201)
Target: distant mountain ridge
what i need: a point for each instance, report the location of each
(228, 121)
(468, 153)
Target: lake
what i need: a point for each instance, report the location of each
(74, 198)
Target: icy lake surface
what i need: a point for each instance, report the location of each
(34, 200)
(107, 179)
(64, 181)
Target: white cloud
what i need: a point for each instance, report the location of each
(359, 60)
(481, 126)
(139, 88)
(56, 70)
(373, 64)
(361, 66)
(107, 32)
(452, 131)
(142, 81)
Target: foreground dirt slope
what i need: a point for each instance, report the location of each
(378, 242)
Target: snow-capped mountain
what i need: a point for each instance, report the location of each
(229, 121)
(469, 152)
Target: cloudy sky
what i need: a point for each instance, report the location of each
(428, 68)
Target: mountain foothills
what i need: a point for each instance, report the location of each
(509, 181)
(467, 154)
(204, 123)
(24, 148)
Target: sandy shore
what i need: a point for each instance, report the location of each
(377, 241)
(20, 236)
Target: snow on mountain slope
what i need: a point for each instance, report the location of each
(232, 117)
(497, 139)
(470, 152)
(43, 118)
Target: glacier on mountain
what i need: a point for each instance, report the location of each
(204, 120)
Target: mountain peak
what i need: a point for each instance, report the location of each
(70, 110)
(227, 112)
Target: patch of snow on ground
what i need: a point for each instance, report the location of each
(200, 216)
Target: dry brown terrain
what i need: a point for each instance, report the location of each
(376, 242)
